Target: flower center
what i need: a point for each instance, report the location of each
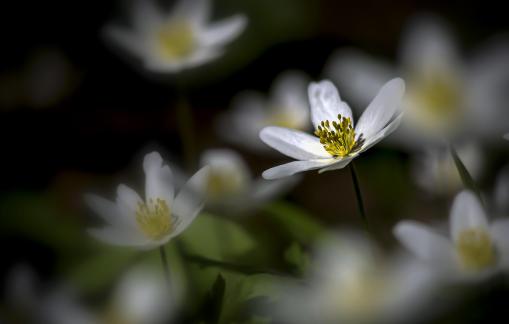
(475, 249)
(436, 99)
(154, 219)
(339, 140)
(223, 183)
(175, 40)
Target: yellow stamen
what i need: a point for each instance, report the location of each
(175, 40)
(339, 140)
(155, 219)
(475, 249)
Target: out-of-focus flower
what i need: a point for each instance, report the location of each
(435, 171)
(30, 303)
(352, 282)
(447, 97)
(47, 78)
(231, 188)
(336, 142)
(287, 106)
(161, 216)
(142, 297)
(178, 40)
(506, 136)
(475, 249)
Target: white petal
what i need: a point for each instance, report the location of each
(109, 211)
(222, 32)
(289, 89)
(291, 168)
(466, 213)
(145, 15)
(201, 56)
(506, 136)
(117, 237)
(388, 130)
(294, 143)
(382, 109)
(128, 40)
(158, 179)
(198, 11)
(358, 75)
(128, 198)
(190, 200)
(226, 161)
(325, 103)
(425, 243)
(500, 234)
(264, 190)
(245, 121)
(427, 45)
(339, 164)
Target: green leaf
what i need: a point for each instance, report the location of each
(466, 177)
(217, 238)
(99, 271)
(296, 256)
(298, 223)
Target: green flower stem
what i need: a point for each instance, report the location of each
(164, 261)
(360, 202)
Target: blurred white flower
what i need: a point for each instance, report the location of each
(178, 40)
(33, 302)
(434, 170)
(286, 106)
(506, 136)
(142, 296)
(336, 142)
(447, 96)
(231, 187)
(476, 248)
(154, 221)
(352, 282)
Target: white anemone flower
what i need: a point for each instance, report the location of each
(447, 96)
(434, 170)
(352, 282)
(178, 40)
(231, 187)
(336, 142)
(286, 106)
(474, 249)
(142, 296)
(152, 222)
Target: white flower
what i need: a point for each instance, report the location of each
(506, 136)
(285, 106)
(337, 141)
(446, 96)
(181, 39)
(34, 302)
(231, 187)
(476, 248)
(351, 282)
(149, 223)
(435, 170)
(142, 296)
